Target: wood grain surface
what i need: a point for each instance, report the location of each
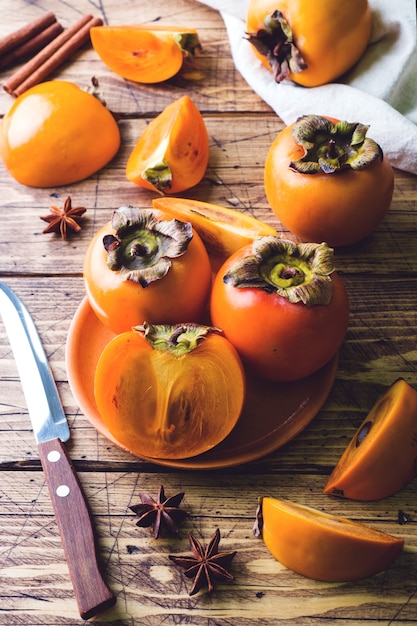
(46, 273)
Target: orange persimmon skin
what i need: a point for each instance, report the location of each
(325, 547)
(277, 339)
(331, 36)
(162, 406)
(144, 54)
(56, 134)
(340, 208)
(180, 296)
(381, 458)
(177, 136)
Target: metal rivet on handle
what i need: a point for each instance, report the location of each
(62, 491)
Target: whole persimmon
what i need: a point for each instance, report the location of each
(170, 391)
(311, 43)
(146, 265)
(55, 134)
(282, 306)
(326, 180)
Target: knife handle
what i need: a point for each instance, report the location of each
(76, 529)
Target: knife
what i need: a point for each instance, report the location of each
(51, 430)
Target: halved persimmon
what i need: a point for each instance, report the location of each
(144, 53)
(223, 230)
(172, 153)
(322, 546)
(170, 392)
(381, 458)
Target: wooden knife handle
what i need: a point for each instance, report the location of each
(76, 530)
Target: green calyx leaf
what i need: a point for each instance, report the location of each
(178, 339)
(143, 247)
(189, 43)
(159, 175)
(299, 272)
(331, 148)
(276, 43)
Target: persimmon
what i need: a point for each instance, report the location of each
(381, 457)
(170, 391)
(146, 265)
(145, 53)
(282, 306)
(223, 230)
(172, 153)
(322, 546)
(56, 134)
(326, 180)
(310, 43)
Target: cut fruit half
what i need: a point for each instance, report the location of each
(223, 230)
(144, 54)
(381, 458)
(322, 546)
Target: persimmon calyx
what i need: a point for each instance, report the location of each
(159, 175)
(300, 272)
(177, 339)
(276, 43)
(331, 147)
(143, 247)
(189, 43)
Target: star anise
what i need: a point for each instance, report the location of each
(208, 565)
(162, 514)
(62, 220)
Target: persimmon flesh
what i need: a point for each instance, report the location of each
(223, 230)
(322, 546)
(381, 457)
(174, 395)
(142, 53)
(172, 153)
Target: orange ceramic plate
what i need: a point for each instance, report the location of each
(274, 413)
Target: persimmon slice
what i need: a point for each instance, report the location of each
(172, 153)
(144, 54)
(170, 392)
(381, 458)
(223, 230)
(322, 546)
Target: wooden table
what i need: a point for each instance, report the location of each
(46, 272)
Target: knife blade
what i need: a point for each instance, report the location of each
(51, 430)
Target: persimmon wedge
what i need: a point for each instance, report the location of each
(322, 546)
(169, 392)
(223, 230)
(144, 53)
(172, 153)
(381, 458)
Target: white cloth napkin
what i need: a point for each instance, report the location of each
(380, 91)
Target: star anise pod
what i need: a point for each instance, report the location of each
(208, 565)
(162, 514)
(62, 220)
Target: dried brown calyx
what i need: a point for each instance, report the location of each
(207, 566)
(331, 147)
(276, 43)
(142, 247)
(300, 272)
(163, 514)
(63, 220)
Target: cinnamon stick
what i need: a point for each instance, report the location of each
(31, 46)
(25, 33)
(51, 56)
